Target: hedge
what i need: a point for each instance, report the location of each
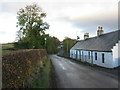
(18, 66)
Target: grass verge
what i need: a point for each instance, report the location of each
(42, 80)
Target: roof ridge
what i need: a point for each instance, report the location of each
(103, 42)
(102, 35)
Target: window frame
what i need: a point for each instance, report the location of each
(103, 58)
(95, 55)
(89, 54)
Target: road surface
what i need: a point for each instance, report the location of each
(73, 75)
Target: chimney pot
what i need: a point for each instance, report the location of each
(100, 31)
(86, 35)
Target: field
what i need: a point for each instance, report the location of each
(8, 47)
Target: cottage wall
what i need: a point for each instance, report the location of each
(73, 54)
(89, 56)
(86, 56)
(116, 54)
(108, 62)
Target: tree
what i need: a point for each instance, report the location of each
(32, 27)
(68, 43)
(52, 44)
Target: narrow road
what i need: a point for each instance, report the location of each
(74, 75)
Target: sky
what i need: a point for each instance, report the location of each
(67, 18)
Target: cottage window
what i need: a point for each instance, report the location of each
(95, 56)
(89, 54)
(103, 57)
(82, 55)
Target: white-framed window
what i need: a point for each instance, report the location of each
(103, 57)
(95, 55)
(89, 54)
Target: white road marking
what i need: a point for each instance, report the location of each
(71, 62)
(62, 66)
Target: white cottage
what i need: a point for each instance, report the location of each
(102, 50)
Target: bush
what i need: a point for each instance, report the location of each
(18, 66)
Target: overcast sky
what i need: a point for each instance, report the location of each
(66, 17)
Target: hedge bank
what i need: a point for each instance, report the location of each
(18, 67)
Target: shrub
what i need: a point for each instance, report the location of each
(18, 66)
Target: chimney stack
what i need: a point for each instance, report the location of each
(100, 31)
(86, 35)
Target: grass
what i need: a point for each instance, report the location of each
(43, 79)
(6, 47)
(6, 51)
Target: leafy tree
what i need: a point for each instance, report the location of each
(68, 43)
(32, 27)
(52, 44)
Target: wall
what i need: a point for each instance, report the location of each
(89, 56)
(73, 53)
(80, 55)
(18, 66)
(108, 62)
(116, 54)
(85, 56)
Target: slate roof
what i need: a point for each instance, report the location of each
(103, 42)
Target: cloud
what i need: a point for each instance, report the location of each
(61, 29)
(12, 7)
(2, 32)
(87, 16)
(66, 17)
(89, 23)
(7, 27)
